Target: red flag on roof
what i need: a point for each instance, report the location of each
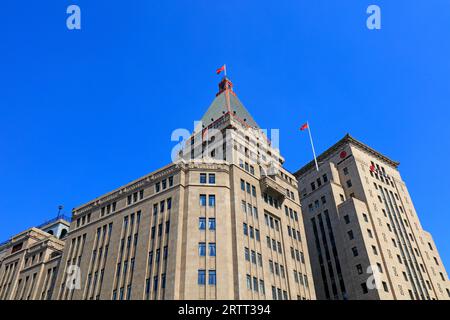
(222, 68)
(304, 126)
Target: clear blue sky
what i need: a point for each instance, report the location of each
(84, 112)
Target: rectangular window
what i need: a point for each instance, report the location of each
(245, 229)
(212, 178)
(201, 277)
(202, 178)
(202, 223)
(355, 251)
(212, 200)
(212, 224)
(249, 282)
(242, 185)
(169, 203)
(212, 249)
(212, 277)
(201, 249)
(203, 200)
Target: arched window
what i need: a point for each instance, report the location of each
(63, 233)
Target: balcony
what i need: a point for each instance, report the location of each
(270, 185)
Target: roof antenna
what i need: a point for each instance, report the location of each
(60, 207)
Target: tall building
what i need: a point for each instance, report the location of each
(29, 261)
(222, 221)
(361, 225)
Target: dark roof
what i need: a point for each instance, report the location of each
(219, 107)
(348, 139)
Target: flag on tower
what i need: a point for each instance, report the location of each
(304, 126)
(222, 68)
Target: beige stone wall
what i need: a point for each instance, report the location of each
(385, 228)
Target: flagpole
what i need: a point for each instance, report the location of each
(312, 145)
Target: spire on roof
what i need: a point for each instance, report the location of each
(225, 84)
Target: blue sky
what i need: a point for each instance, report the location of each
(83, 112)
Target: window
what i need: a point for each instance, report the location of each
(325, 178)
(313, 186)
(170, 181)
(202, 178)
(242, 185)
(212, 200)
(157, 188)
(203, 200)
(369, 232)
(359, 269)
(249, 282)
(349, 183)
(364, 288)
(212, 178)
(254, 191)
(374, 249)
(201, 277)
(246, 254)
(169, 203)
(323, 199)
(212, 277)
(345, 171)
(365, 217)
(350, 235)
(262, 289)
(245, 229)
(255, 284)
(201, 249)
(355, 251)
(253, 256)
(212, 249)
(212, 224)
(385, 287)
(202, 223)
(347, 219)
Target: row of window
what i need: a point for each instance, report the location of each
(297, 255)
(253, 233)
(323, 200)
(247, 167)
(247, 208)
(300, 278)
(277, 269)
(212, 280)
(274, 245)
(135, 197)
(256, 285)
(249, 188)
(211, 200)
(271, 201)
(162, 206)
(155, 285)
(81, 221)
(295, 234)
(319, 182)
(291, 213)
(162, 185)
(211, 178)
(211, 249)
(253, 256)
(109, 208)
(202, 223)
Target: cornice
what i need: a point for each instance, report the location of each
(348, 139)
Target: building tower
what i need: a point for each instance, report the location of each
(222, 221)
(360, 221)
(29, 261)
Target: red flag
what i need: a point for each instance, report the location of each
(372, 168)
(222, 68)
(304, 126)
